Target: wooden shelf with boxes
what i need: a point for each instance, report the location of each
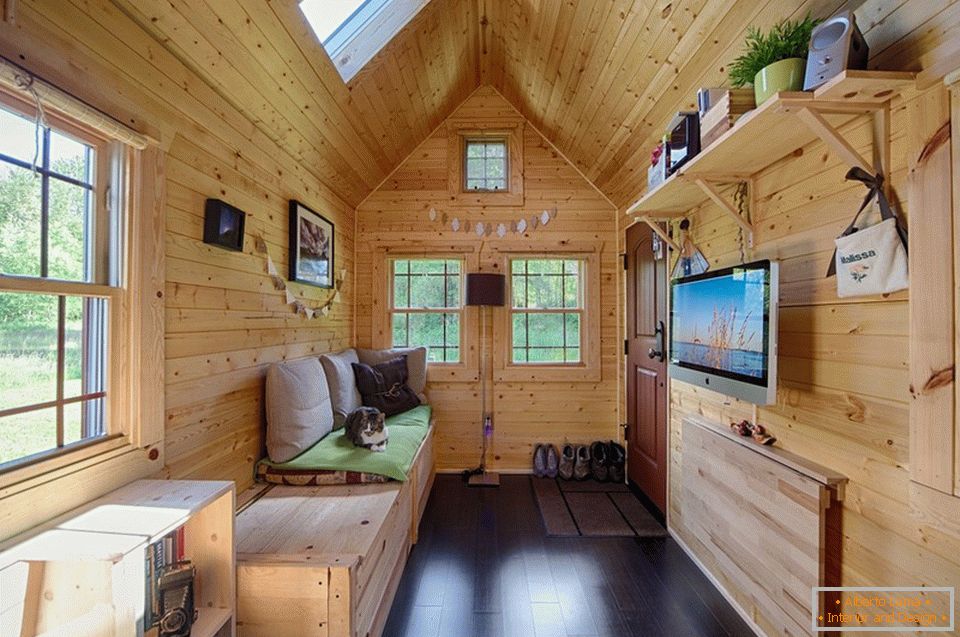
(780, 126)
(84, 574)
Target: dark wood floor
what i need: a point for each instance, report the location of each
(484, 568)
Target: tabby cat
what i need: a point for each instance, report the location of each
(364, 428)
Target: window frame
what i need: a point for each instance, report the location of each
(381, 335)
(467, 140)
(127, 178)
(458, 131)
(458, 310)
(580, 310)
(588, 369)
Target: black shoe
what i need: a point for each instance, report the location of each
(616, 462)
(567, 459)
(581, 469)
(599, 460)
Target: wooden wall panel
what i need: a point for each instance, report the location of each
(844, 395)
(524, 412)
(225, 323)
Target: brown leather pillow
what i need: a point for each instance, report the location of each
(385, 387)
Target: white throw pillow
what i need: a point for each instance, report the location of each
(298, 408)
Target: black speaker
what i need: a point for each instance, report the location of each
(835, 45)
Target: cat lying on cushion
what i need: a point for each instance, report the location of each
(364, 428)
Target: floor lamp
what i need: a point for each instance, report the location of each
(484, 290)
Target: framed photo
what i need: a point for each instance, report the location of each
(223, 225)
(311, 247)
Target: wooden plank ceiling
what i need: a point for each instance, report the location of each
(600, 78)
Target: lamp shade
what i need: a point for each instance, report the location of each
(485, 289)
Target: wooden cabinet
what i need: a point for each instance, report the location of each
(83, 574)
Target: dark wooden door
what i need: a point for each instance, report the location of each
(646, 363)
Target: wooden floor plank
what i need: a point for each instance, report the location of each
(484, 567)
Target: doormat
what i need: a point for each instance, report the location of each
(570, 509)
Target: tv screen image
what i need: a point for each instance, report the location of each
(723, 331)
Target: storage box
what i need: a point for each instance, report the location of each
(721, 117)
(657, 172)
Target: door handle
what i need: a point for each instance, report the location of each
(661, 337)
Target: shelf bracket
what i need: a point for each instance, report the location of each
(660, 232)
(727, 207)
(825, 131)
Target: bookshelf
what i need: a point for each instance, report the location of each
(83, 574)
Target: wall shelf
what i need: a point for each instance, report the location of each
(767, 134)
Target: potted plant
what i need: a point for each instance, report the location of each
(774, 61)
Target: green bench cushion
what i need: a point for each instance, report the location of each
(335, 453)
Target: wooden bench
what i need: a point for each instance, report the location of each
(327, 561)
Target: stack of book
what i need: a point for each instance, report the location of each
(161, 553)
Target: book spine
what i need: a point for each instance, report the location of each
(149, 608)
(181, 544)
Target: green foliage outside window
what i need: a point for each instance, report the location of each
(426, 302)
(29, 322)
(542, 332)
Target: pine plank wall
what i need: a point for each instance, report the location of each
(224, 321)
(844, 379)
(526, 412)
(844, 385)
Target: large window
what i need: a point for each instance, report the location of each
(486, 164)
(547, 311)
(56, 258)
(427, 306)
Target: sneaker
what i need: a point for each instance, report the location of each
(540, 461)
(567, 461)
(616, 462)
(599, 459)
(581, 469)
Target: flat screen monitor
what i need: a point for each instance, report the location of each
(723, 331)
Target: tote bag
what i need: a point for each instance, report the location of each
(871, 260)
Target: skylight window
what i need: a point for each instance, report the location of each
(353, 31)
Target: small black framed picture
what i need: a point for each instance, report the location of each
(311, 247)
(223, 225)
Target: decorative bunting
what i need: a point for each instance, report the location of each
(486, 229)
(279, 284)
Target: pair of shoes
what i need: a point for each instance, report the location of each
(545, 461)
(575, 462)
(616, 462)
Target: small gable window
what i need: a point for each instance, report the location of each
(486, 164)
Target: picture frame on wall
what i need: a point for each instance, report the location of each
(311, 246)
(223, 225)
